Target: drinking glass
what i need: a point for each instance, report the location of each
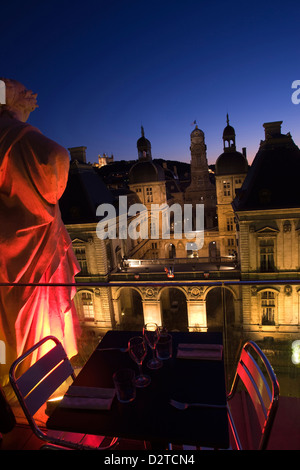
(124, 380)
(164, 347)
(138, 350)
(151, 334)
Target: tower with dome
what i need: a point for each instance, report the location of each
(230, 171)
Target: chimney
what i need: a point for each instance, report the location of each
(244, 151)
(272, 129)
(78, 153)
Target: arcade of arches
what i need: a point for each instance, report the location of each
(177, 308)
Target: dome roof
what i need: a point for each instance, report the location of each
(231, 163)
(228, 131)
(143, 142)
(197, 132)
(146, 172)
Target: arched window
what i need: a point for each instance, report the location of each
(268, 306)
(87, 305)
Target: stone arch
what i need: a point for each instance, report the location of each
(129, 308)
(170, 250)
(268, 305)
(220, 307)
(235, 295)
(85, 304)
(173, 304)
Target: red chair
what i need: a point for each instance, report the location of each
(253, 400)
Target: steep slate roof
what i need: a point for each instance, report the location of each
(273, 179)
(84, 192)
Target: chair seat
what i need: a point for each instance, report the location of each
(285, 434)
(87, 440)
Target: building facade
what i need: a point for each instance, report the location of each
(249, 235)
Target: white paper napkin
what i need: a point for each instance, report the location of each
(200, 351)
(88, 398)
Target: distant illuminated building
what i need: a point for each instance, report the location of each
(104, 160)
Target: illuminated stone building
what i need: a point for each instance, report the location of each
(268, 215)
(254, 219)
(157, 189)
(85, 191)
(127, 259)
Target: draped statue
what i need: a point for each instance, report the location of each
(35, 247)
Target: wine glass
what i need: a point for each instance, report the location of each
(138, 350)
(151, 334)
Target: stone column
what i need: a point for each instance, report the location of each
(151, 306)
(196, 309)
(197, 318)
(151, 310)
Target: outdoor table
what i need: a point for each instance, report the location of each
(150, 417)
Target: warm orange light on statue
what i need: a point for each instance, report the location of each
(35, 246)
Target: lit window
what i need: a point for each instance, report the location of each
(267, 255)
(149, 194)
(81, 257)
(226, 188)
(268, 308)
(87, 305)
(230, 225)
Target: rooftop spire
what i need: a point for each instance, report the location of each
(227, 119)
(143, 132)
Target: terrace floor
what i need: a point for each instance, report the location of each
(285, 434)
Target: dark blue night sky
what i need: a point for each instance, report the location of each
(104, 68)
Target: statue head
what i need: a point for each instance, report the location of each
(20, 102)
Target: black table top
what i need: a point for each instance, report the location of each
(150, 416)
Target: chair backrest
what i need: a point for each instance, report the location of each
(41, 379)
(261, 385)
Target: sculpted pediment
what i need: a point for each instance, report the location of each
(79, 241)
(267, 229)
(264, 227)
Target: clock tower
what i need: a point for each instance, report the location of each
(201, 189)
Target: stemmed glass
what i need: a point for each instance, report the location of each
(151, 334)
(138, 350)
